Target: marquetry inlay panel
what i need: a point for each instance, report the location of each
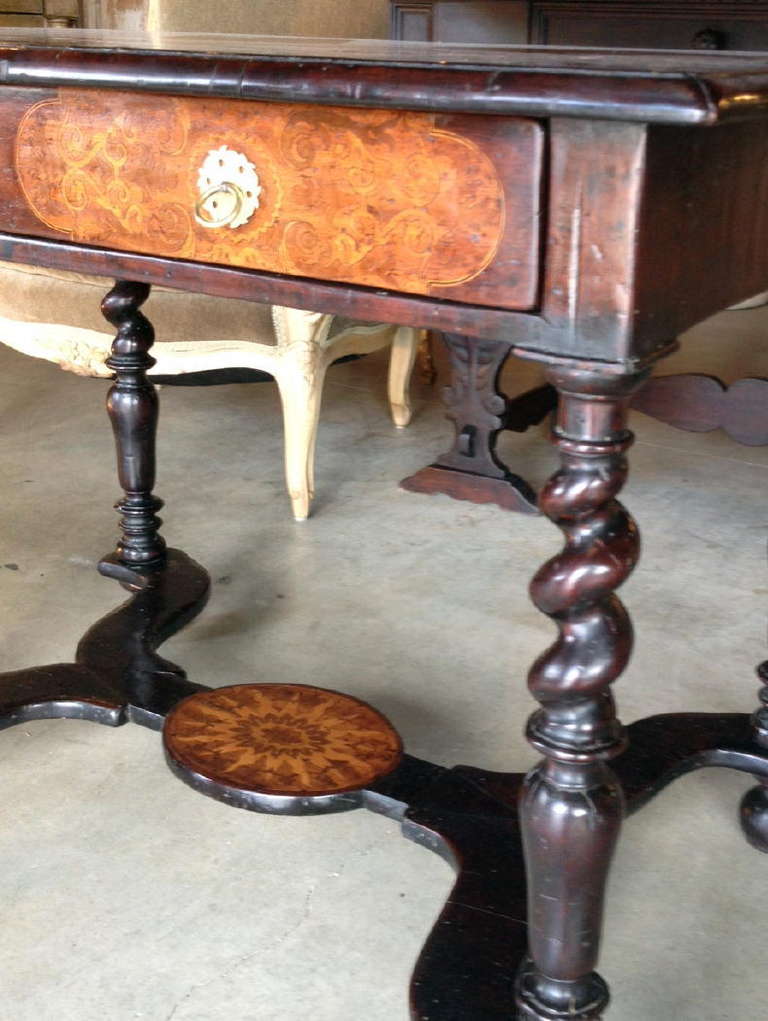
(282, 739)
(392, 199)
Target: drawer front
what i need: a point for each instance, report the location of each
(411, 202)
(649, 26)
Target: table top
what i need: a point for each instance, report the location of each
(669, 86)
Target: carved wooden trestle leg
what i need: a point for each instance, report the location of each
(471, 469)
(572, 803)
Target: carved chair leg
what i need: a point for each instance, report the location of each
(301, 393)
(405, 344)
(133, 410)
(572, 804)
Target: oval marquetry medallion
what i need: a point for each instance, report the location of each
(281, 739)
(395, 199)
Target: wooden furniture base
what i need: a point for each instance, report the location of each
(408, 186)
(466, 815)
(301, 750)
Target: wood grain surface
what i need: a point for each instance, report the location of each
(283, 739)
(413, 202)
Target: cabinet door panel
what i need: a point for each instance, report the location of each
(647, 26)
(481, 21)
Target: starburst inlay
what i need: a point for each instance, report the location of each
(289, 739)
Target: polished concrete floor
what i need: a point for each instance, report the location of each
(125, 895)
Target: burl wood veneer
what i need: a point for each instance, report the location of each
(415, 202)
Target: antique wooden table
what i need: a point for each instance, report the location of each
(584, 206)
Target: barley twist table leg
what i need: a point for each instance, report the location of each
(572, 804)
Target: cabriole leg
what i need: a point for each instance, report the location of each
(133, 410)
(572, 804)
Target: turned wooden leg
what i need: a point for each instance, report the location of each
(405, 344)
(572, 805)
(132, 408)
(754, 804)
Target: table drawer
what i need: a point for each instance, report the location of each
(411, 202)
(648, 26)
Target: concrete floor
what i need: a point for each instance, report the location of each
(125, 895)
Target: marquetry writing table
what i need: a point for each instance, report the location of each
(584, 207)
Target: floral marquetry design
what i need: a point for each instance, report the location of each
(282, 739)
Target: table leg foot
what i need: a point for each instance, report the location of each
(754, 805)
(754, 817)
(117, 675)
(543, 999)
(511, 492)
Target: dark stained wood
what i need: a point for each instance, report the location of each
(700, 403)
(697, 24)
(663, 24)
(702, 191)
(117, 675)
(754, 805)
(692, 24)
(473, 397)
(589, 245)
(617, 281)
(464, 970)
(270, 288)
(647, 86)
(478, 413)
(510, 493)
(571, 806)
(530, 408)
(133, 410)
(412, 21)
(469, 817)
(596, 186)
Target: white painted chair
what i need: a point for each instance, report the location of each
(55, 316)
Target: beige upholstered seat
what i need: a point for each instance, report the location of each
(55, 315)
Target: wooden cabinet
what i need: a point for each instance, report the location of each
(468, 21)
(39, 13)
(686, 24)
